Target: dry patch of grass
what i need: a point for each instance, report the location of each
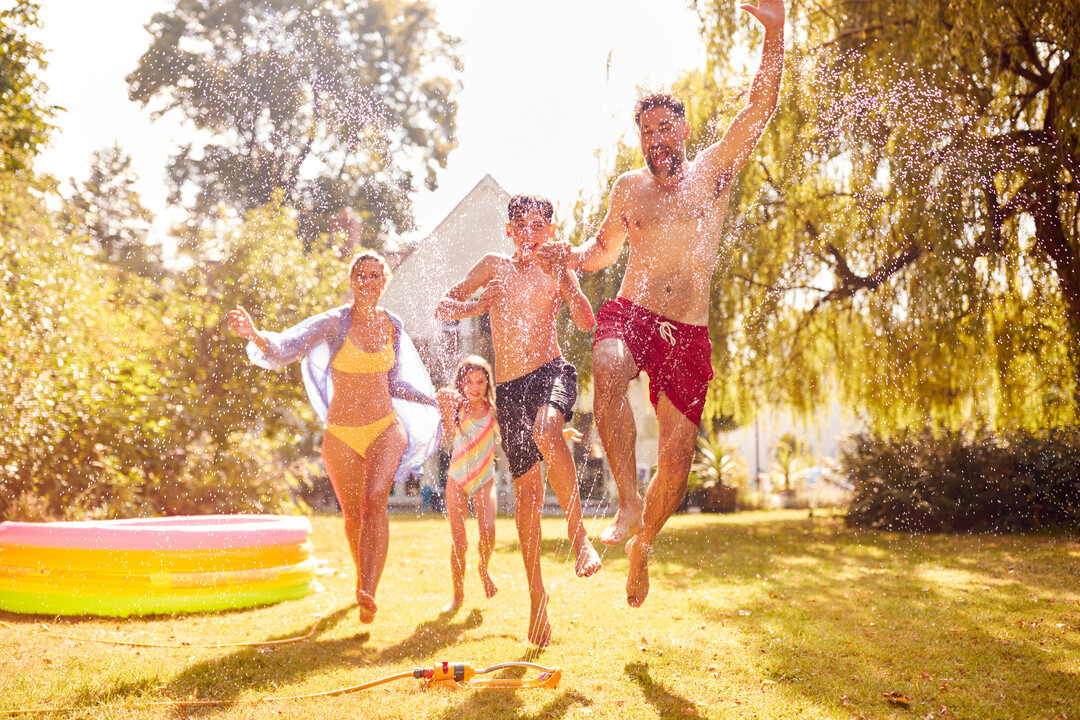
(766, 615)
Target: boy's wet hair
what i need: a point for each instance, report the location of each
(521, 204)
(654, 100)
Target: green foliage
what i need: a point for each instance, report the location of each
(64, 377)
(110, 212)
(906, 237)
(926, 482)
(790, 461)
(130, 398)
(361, 96)
(24, 117)
(717, 464)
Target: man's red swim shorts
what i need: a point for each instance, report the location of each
(677, 356)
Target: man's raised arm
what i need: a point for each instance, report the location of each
(726, 156)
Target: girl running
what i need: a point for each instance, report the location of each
(468, 411)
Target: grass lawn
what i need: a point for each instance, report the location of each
(753, 615)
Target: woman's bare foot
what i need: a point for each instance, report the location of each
(490, 588)
(627, 522)
(367, 606)
(539, 627)
(637, 580)
(588, 562)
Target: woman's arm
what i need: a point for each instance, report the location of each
(405, 391)
(273, 350)
(241, 323)
(408, 378)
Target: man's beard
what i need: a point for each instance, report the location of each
(665, 169)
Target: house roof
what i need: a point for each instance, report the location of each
(425, 270)
(397, 258)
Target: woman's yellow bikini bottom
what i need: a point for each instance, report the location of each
(360, 437)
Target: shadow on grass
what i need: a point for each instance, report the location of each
(669, 705)
(224, 679)
(834, 613)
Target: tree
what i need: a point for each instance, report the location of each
(24, 116)
(907, 237)
(110, 211)
(791, 459)
(130, 398)
(338, 103)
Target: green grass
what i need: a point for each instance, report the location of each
(756, 615)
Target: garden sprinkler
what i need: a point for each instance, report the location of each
(461, 676)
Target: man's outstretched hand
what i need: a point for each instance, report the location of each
(770, 13)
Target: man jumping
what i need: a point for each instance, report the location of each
(672, 214)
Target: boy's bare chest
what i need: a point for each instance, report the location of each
(528, 293)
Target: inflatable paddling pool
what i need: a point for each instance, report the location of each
(149, 566)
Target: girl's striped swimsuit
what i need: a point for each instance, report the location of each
(472, 461)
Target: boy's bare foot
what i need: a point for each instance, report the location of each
(454, 605)
(588, 562)
(490, 588)
(627, 522)
(539, 627)
(637, 580)
(367, 606)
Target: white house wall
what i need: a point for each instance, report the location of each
(475, 227)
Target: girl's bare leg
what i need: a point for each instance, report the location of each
(484, 505)
(457, 506)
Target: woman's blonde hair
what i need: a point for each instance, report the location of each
(374, 256)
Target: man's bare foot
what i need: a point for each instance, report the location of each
(490, 588)
(367, 606)
(454, 605)
(637, 580)
(627, 523)
(588, 562)
(539, 627)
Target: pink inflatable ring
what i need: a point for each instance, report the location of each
(155, 565)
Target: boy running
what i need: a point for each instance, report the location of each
(535, 386)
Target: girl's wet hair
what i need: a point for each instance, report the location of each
(521, 204)
(475, 362)
(654, 100)
(374, 256)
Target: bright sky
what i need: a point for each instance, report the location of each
(543, 142)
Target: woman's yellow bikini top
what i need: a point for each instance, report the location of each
(352, 359)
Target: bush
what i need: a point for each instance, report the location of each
(947, 481)
(121, 397)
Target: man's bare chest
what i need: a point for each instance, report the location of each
(685, 213)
